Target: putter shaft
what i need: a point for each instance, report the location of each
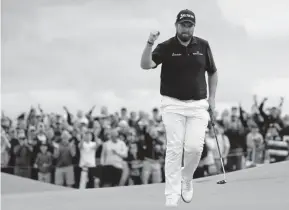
(215, 133)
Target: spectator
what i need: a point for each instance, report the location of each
(236, 136)
(225, 119)
(88, 147)
(156, 116)
(113, 153)
(132, 122)
(255, 146)
(49, 134)
(135, 164)
(5, 147)
(273, 117)
(277, 148)
(43, 163)
(123, 114)
(152, 153)
(97, 173)
(127, 138)
(12, 137)
(23, 156)
(64, 152)
(284, 133)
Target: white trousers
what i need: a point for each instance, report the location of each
(185, 124)
(83, 178)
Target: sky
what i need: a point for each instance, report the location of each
(87, 52)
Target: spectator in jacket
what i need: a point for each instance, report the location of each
(237, 139)
(64, 151)
(23, 156)
(43, 163)
(152, 153)
(135, 164)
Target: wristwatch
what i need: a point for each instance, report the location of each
(150, 43)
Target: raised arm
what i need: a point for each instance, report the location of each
(69, 118)
(151, 59)
(89, 113)
(261, 109)
(243, 121)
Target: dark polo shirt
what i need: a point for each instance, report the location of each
(183, 68)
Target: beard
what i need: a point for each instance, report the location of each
(184, 37)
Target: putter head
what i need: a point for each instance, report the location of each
(222, 182)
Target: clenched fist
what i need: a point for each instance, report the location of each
(154, 35)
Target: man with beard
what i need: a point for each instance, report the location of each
(185, 61)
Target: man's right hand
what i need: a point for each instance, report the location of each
(154, 35)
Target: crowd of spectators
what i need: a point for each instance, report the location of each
(128, 148)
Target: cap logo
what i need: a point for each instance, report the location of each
(186, 16)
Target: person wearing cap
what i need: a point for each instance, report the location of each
(185, 59)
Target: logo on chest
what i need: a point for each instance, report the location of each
(194, 53)
(197, 53)
(176, 54)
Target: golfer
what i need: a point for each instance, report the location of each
(185, 61)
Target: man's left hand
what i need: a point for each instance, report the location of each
(211, 102)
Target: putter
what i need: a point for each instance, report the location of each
(222, 163)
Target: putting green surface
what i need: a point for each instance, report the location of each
(264, 187)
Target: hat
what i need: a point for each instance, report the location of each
(186, 16)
